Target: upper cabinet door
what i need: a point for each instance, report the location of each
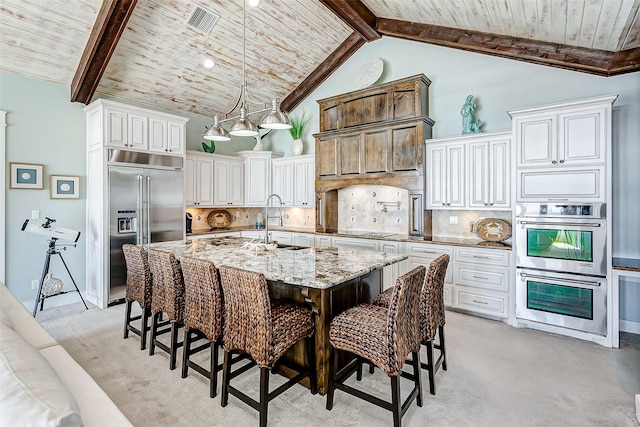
(158, 136)
(176, 138)
(257, 177)
(536, 141)
(137, 131)
(116, 127)
(582, 137)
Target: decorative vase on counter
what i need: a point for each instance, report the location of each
(296, 147)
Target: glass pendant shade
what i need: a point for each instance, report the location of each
(275, 119)
(216, 132)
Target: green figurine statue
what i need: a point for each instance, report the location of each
(209, 148)
(468, 124)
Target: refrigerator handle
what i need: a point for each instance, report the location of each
(147, 216)
(140, 228)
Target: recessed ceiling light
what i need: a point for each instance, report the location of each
(208, 63)
(254, 3)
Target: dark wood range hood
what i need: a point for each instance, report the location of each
(373, 136)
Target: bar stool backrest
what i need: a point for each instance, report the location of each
(432, 298)
(168, 287)
(138, 275)
(202, 297)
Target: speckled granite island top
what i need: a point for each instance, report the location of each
(319, 268)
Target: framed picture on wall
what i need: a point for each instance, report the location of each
(26, 175)
(65, 187)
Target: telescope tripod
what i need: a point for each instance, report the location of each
(40, 297)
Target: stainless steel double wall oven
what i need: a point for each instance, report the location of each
(561, 260)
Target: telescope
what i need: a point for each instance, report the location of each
(54, 232)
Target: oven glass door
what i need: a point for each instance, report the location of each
(560, 299)
(563, 243)
(574, 246)
(565, 300)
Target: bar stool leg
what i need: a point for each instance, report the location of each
(442, 350)
(154, 331)
(174, 345)
(416, 374)
(333, 368)
(396, 403)
(264, 396)
(146, 313)
(213, 370)
(185, 353)
(127, 319)
(226, 373)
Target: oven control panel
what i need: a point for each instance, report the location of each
(592, 210)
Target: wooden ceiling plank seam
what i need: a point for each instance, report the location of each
(590, 21)
(355, 14)
(478, 13)
(323, 71)
(559, 22)
(458, 16)
(563, 56)
(110, 24)
(606, 24)
(71, 37)
(61, 56)
(530, 29)
(631, 34)
(494, 22)
(545, 24)
(53, 11)
(575, 9)
(331, 25)
(44, 17)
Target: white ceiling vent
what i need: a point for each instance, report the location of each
(202, 20)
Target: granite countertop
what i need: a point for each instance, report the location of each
(627, 264)
(393, 237)
(319, 268)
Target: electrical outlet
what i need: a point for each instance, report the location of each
(237, 214)
(34, 284)
(453, 219)
(35, 214)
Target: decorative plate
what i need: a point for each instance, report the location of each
(492, 229)
(219, 219)
(369, 73)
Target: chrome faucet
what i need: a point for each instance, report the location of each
(266, 216)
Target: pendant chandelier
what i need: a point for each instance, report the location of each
(273, 119)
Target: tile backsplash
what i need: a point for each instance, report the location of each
(373, 208)
(442, 227)
(247, 217)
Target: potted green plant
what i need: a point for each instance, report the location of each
(298, 125)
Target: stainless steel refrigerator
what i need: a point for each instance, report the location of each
(146, 205)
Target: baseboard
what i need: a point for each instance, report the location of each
(629, 326)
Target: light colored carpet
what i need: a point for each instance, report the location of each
(498, 376)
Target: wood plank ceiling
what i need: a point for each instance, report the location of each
(142, 50)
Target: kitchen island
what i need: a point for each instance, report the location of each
(328, 280)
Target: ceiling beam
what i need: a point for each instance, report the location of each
(356, 15)
(593, 61)
(110, 24)
(323, 71)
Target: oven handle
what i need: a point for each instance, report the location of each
(582, 282)
(571, 224)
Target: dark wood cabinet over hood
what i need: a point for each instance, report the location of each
(373, 136)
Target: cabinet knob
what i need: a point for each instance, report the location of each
(444, 204)
(561, 161)
(490, 204)
(553, 162)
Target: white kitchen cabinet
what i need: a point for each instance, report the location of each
(562, 150)
(258, 176)
(294, 180)
(482, 280)
(253, 234)
(118, 125)
(282, 237)
(304, 189)
(214, 235)
(166, 136)
(445, 175)
(355, 243)
(303, 239)
(228, 181)
(198, 179)
(282, 174)
(490, 171)
(323, 241)
(391, 272)
(423, 254)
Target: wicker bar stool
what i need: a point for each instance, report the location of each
(384, 336)
(431, 316)
(263, 330)
(167, 297)
(202, 317)
(138, 290)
